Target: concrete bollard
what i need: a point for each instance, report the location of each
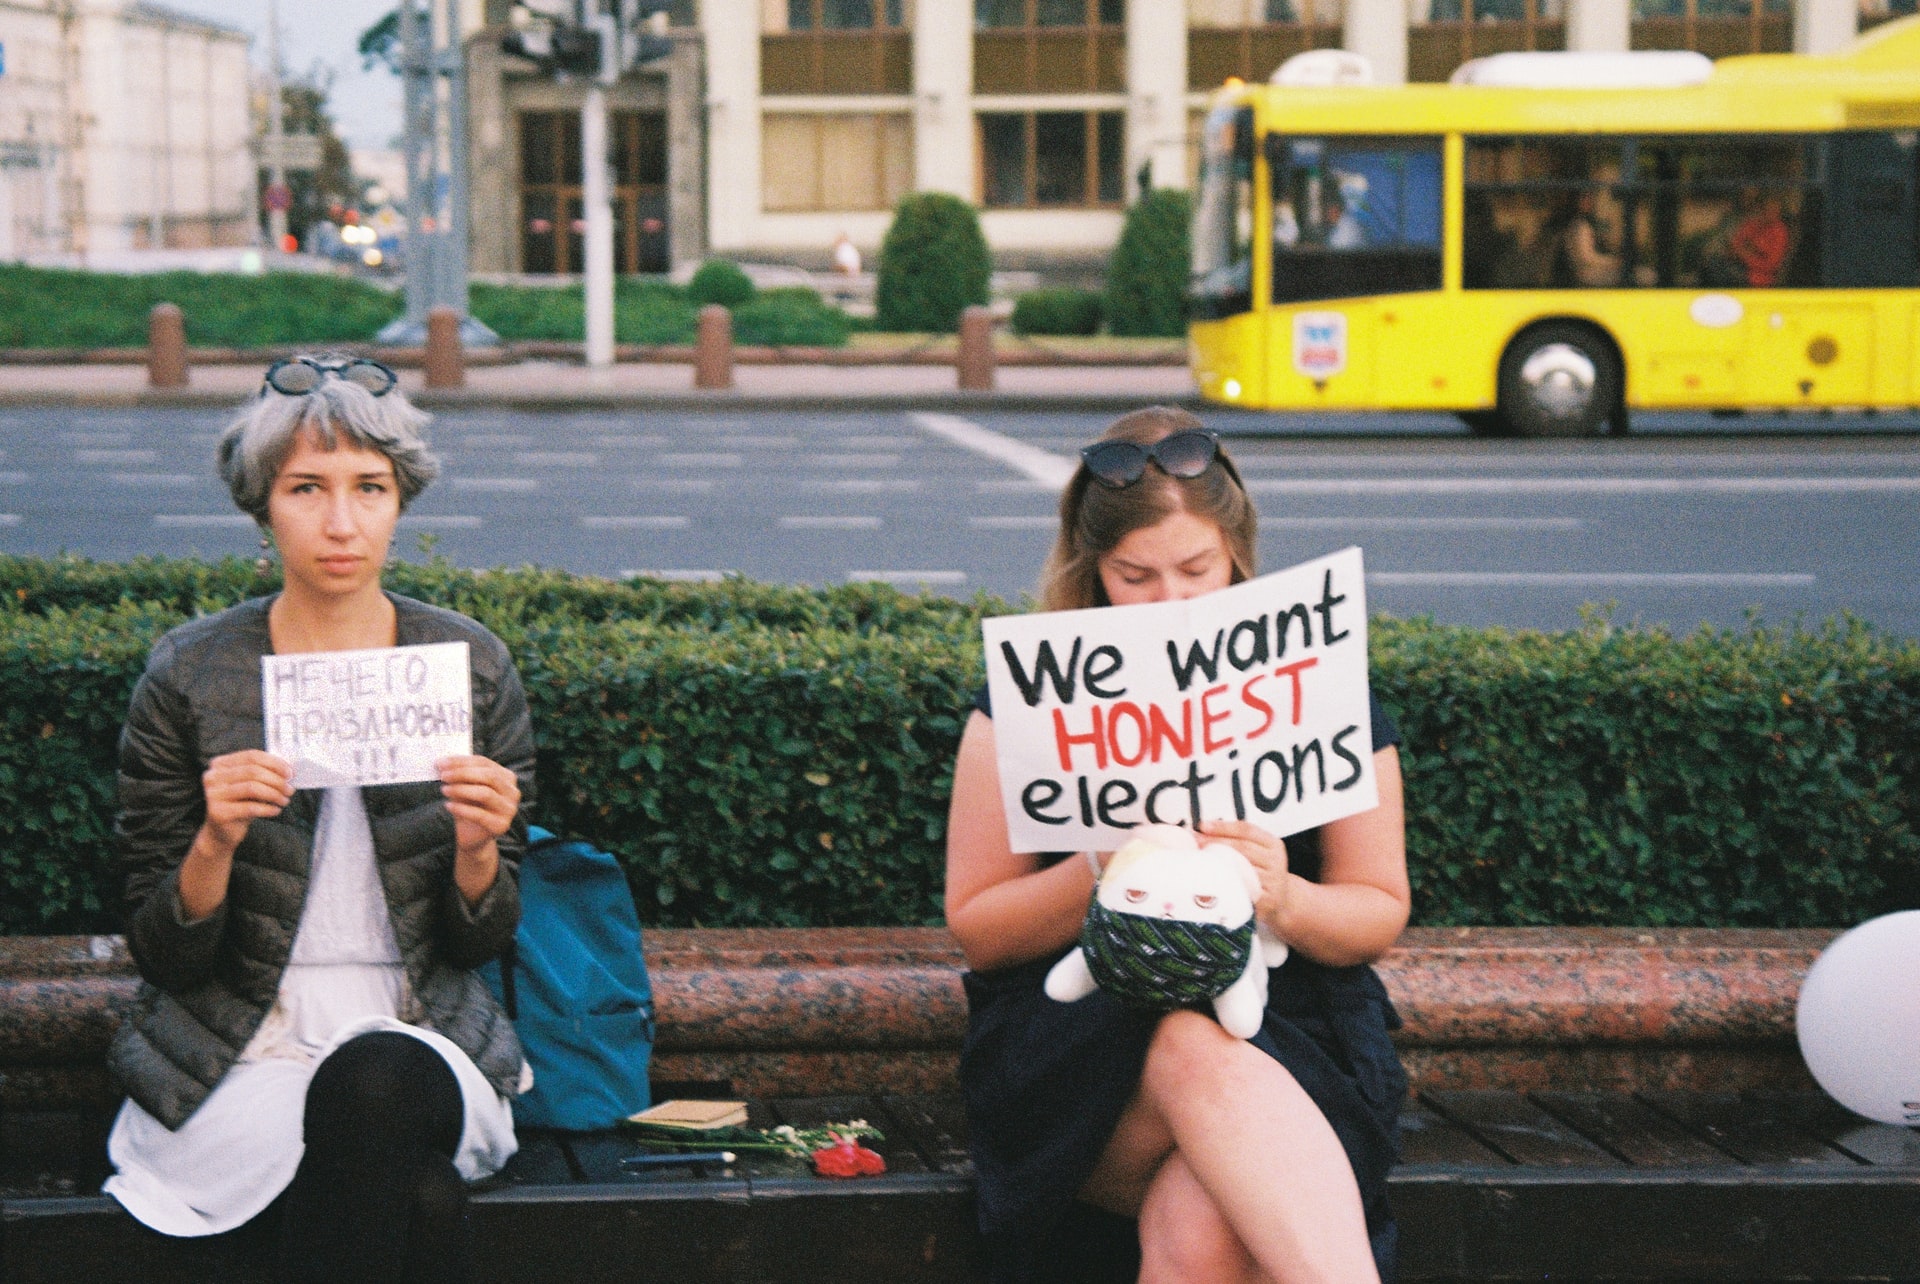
(974, 362)
(446, 362)
(166, 347)
(713, 349)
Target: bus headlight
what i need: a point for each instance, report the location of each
(1232, 389)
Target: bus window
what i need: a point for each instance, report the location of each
(1729, 213)
(1871, 177)
(1354, 216)
(1222, 282)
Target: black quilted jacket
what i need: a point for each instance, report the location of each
(208, 985)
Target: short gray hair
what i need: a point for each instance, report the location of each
(259, 438)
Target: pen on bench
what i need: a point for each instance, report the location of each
(677, 1161)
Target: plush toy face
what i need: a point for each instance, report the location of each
(1170, 925)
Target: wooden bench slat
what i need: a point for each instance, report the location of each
(938, 1127)
(1632, 1130)
(1518, 1129)
(1429, 1140)
(1882, 1145)
(1754, 1131)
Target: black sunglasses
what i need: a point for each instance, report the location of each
(1119, 464)
(298, 376)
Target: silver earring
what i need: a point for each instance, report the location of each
(263, 565)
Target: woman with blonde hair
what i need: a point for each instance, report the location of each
(310, 1055)
(1112, 1143)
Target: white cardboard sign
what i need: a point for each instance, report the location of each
(1249, 703)
(378, 717)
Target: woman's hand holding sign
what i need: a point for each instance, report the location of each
(1268, 856)
(483, 797)
(239, 789)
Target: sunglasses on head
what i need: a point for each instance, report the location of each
(1119, 464)
(298, 376)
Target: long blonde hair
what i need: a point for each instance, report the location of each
(1095, 518)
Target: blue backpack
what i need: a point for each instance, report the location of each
(575, 985)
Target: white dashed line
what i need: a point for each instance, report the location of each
(1585, 579)
(557, 459)
(509, 485)
(863, 485)
(853, 461)
(876, 443)
(201, 521)
(443, 521)
(141, 479)
(755, 441)
(635, 523)
(908, 577)
(497, 440)
(11, 519)
(830, 523)
(1002, 486)
(1036, 464)
(1422, 523)
(680, 577)
(120, 457)
(1580, 485)
(1013, 523)
(699, 459)
(644, 440)
(674, 485)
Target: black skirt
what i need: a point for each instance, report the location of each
(1047, 1082)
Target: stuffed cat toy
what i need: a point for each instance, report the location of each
(1172, 924)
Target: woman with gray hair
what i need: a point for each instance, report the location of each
(311, 1062)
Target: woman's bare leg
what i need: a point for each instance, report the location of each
(1253, 1141)
(1183, 1237)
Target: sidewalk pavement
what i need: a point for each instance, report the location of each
(553, 385)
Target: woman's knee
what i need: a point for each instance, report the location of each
(1183, 1234)
(1188, 1051)
(388, 1088)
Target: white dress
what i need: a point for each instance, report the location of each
(239, 1150)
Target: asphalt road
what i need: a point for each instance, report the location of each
(1691, 519)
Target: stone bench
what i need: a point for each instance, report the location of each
(1590, 1104)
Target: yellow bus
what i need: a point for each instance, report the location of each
(1740, 234)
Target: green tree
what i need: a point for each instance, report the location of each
(1147, 276)
(933, 263)
(379, 44)
(303, 110)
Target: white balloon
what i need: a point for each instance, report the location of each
(1859, 1019)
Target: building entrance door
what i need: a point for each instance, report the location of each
(553, 226)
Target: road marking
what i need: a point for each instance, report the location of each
(674, 485)
(443, 521)
(498, 440)
(907, 577)
(1014, 523)
(645, 439)
(1408, 461)
(862, 485)
(699, 459)
(11, 519)
(1001, 486)
(514, 485)
(853, 461)
(876, 443)
(1423, 523)
(197, 521)
(675, 576)
(755, 440)
(96, 438)
(121, 457)
(635, 523)
(1586, 579)
(135, 479)
(557, 459)
(1581, 485)
(830, 523)
(1035, 464)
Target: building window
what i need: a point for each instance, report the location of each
(1249, 38)
(1446, 33)
(820, 161)
(1051, 159)
(1716, 28)
(552, 203)
(835, 47)
(1049, 46)
(1354, 216)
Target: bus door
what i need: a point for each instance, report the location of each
(1229, 341)
(1355, 225)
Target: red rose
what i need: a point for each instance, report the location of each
(847, 1158)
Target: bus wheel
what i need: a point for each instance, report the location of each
(1484, 423)
(1559, 380)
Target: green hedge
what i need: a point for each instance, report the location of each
(1057, 310)
(1147, 275)
(934, 263)
(719, 281)
(767, 755)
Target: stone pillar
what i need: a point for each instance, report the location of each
(732, 32)
(1156, 93)
(1599, 26)
(1377, 29)
(943, 98)
(713, 349)
(974, 361)
(166, 347)
(446, 362)
(1824, 26)
(686, 151)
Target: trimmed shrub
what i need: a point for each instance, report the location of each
(643, 311)
(791, 316)
(1147, 276)
(1057, 311)
(757, 754)
(718, 281)
(58, 308)
(933, 263)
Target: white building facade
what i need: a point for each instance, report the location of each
(122, 126)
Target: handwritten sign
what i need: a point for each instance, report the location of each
(1249, 704)
(380, 717)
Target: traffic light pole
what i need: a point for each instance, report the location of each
(596, 194)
